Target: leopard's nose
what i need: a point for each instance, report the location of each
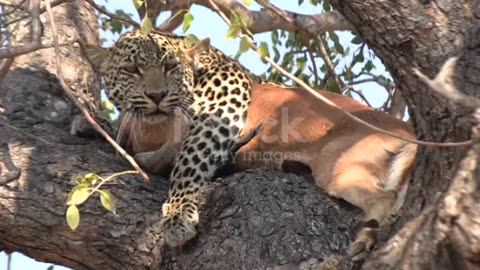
(156, 96)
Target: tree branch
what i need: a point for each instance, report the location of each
(35, 43)
(174, 21)
(112, 15)
(455, 216)
(443, 84)
(255, 219)
(266, 20)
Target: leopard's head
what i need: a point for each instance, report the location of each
(147, 75)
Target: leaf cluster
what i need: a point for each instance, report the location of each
(87, 186)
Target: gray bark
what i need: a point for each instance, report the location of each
(251, 220)
(424, 34)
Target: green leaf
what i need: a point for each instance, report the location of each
(80, 180)
(382, 79)
(50, 267)
(369, 66)
(122, 14)
(247, 2)
(263, 49)
(359, 58)
(332, 86)
(301, 63)
(245, 44)
(187, 21)
(146, 25)
(138, 3)
(78, 195)
(339, 48)
(357, 40)
(333, 36)
(106, 198)
(276, 54)
(287, 59)
(233, 32)
(191, 39)
(91, 178)
(73, 217)
(326, 5)
(109, 110)
(323, 68)
(274, 37)
(349, 75)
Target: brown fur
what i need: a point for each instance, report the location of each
(347, 159)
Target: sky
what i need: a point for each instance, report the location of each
(208, 24)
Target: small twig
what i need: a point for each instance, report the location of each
(350, 88)
(112, 15)
(42, 10)
(36, 34)
(328, 62)
(105, 180)
(15, 7)
(443, 84)
(79, 105)
(9, 261)
(320, 43)
(314, 67)
(329, 102)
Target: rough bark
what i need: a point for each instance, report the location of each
(252, 220)
(75, 21)
(423, 34)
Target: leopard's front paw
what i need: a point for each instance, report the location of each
(179, 223)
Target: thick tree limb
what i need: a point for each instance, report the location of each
(452, 223)
(266, 20)
(251, 220)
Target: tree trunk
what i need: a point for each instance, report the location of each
(424, 34)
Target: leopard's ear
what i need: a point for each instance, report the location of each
(193, 53)
(97, 56)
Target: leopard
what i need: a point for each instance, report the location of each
(155, 75)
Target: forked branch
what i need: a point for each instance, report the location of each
(443, 84)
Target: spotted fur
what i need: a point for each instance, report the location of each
(156, 75)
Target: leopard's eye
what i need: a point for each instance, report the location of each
(133, 69)
(170, 66)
